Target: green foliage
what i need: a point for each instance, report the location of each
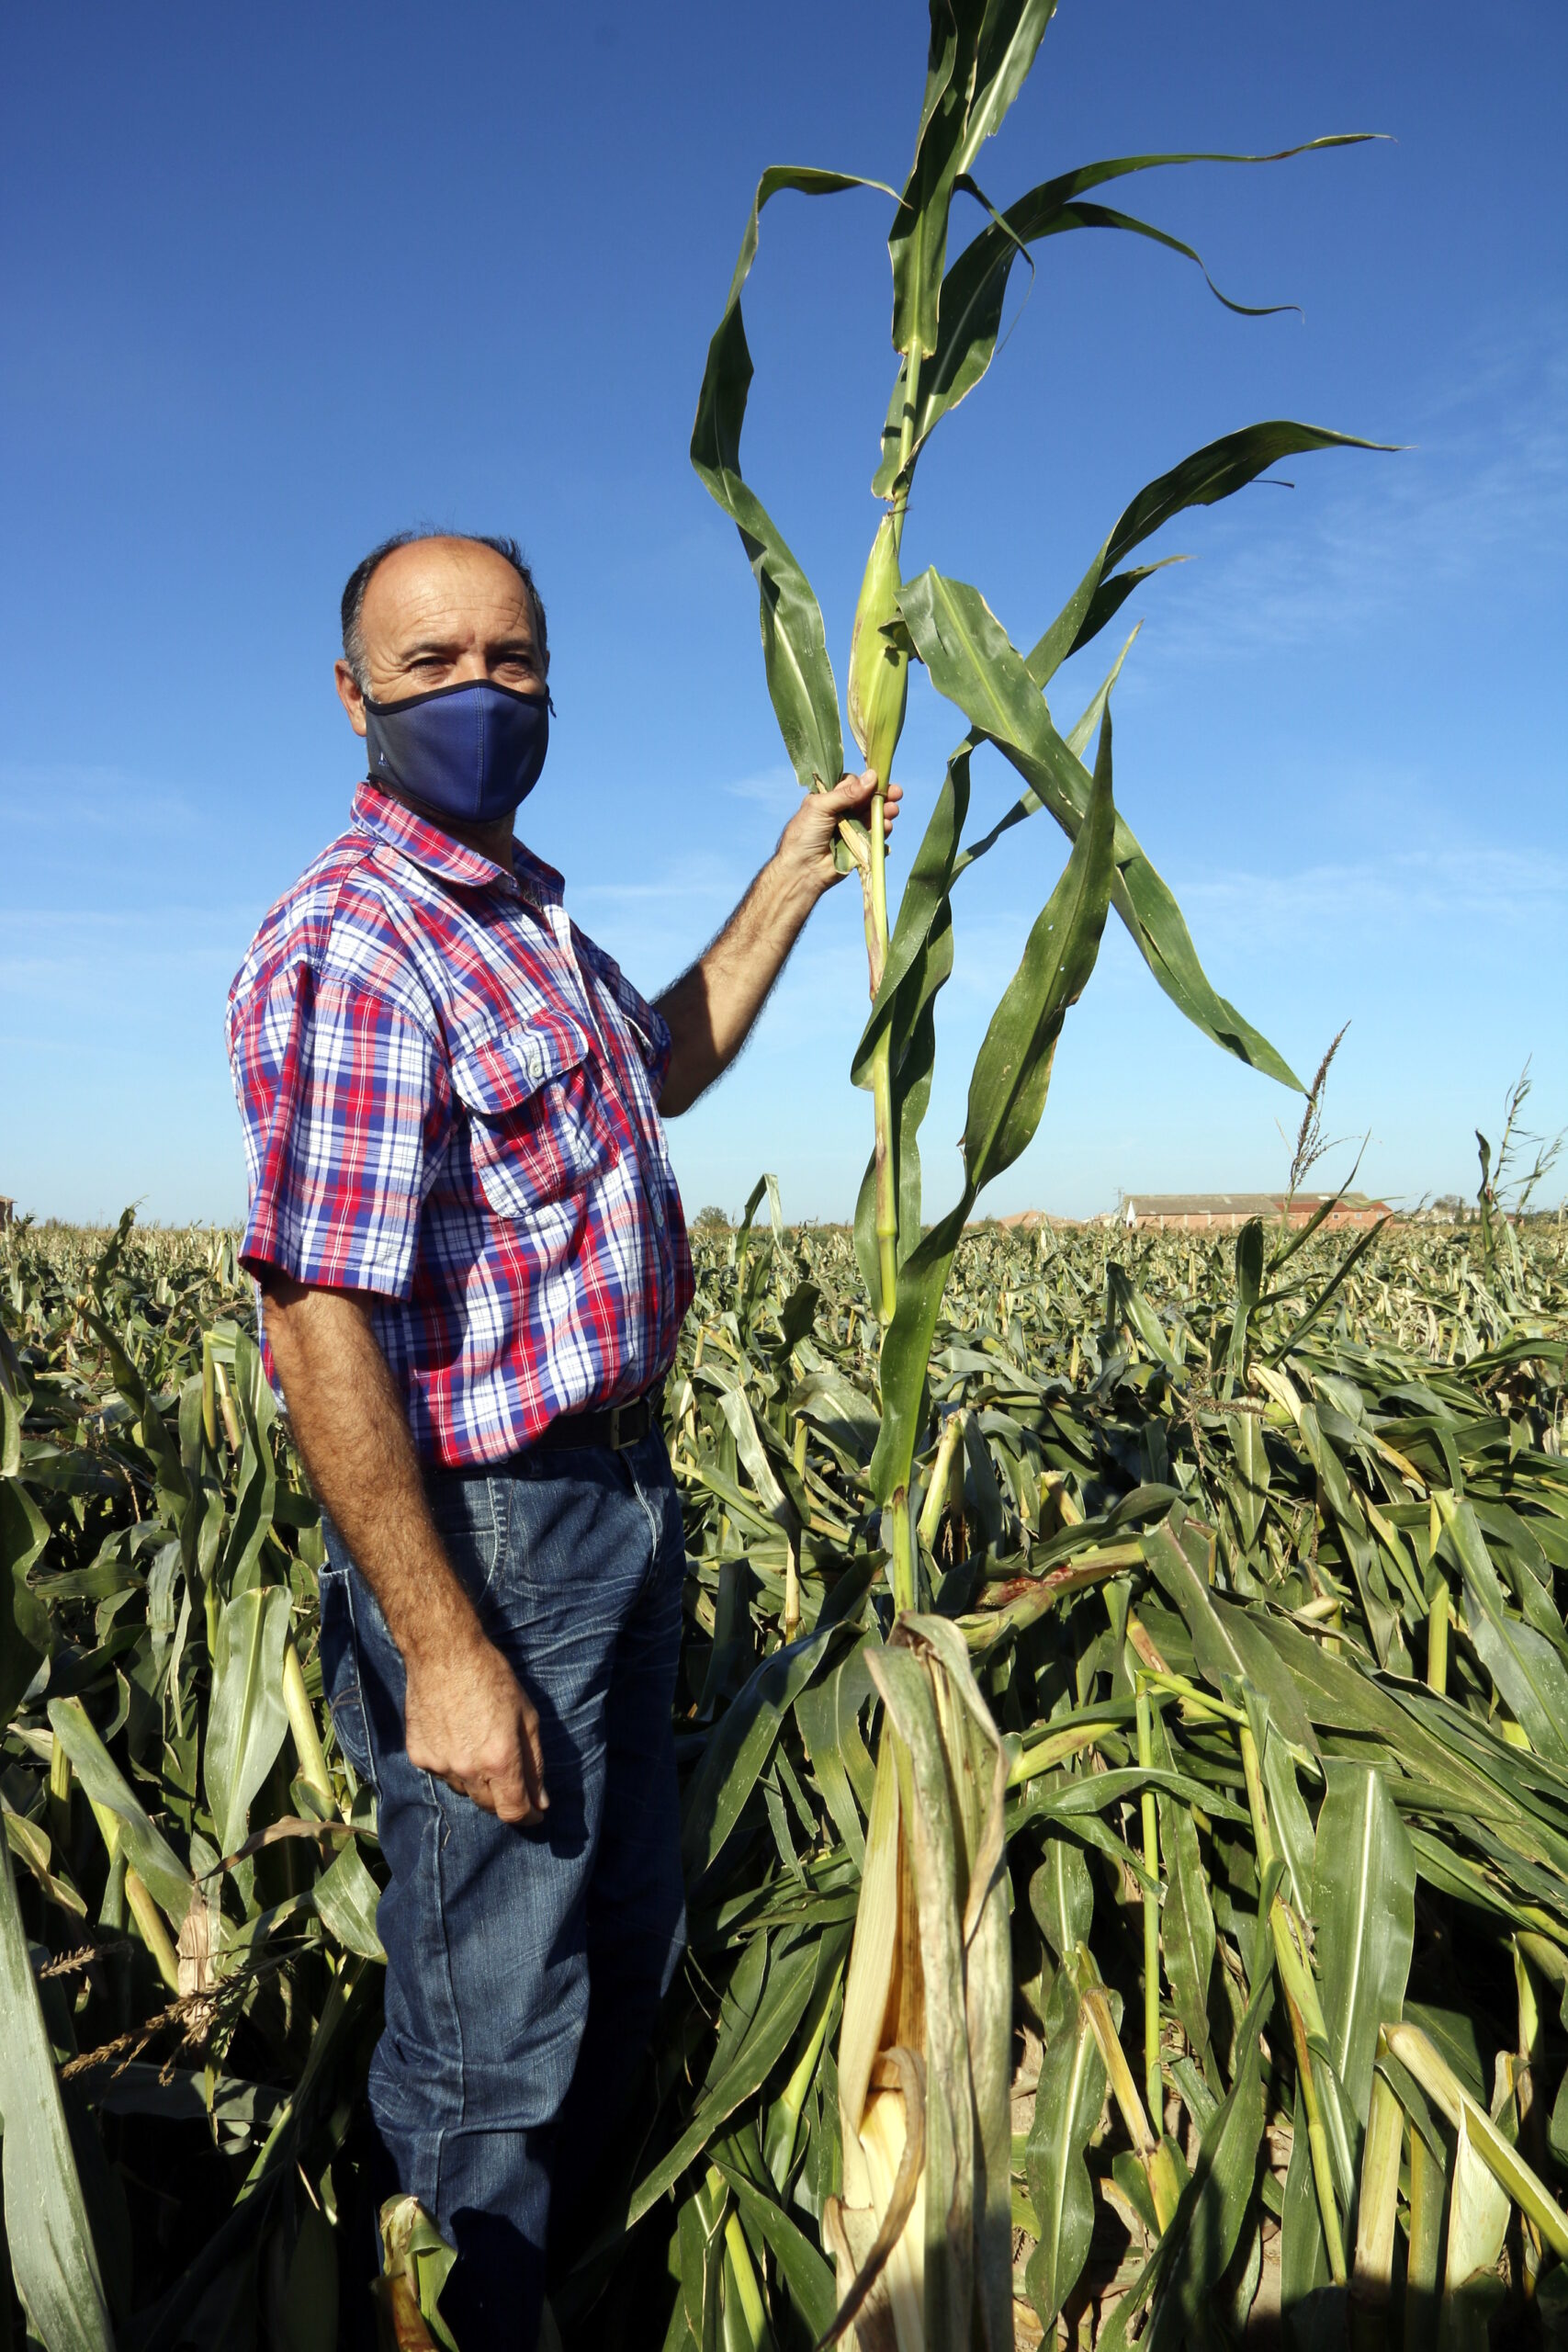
(54, 2263)
(1222, 1661)
(945, 326)
(1411, 1432)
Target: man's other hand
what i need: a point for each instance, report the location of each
(468, 1720)
(807, 842)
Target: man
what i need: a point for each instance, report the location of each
(473, 1268)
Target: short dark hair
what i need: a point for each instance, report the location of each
(360, 580)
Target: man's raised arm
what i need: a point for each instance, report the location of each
(466, 1717)
(710, 1008)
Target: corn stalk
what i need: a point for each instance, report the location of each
(945, 324)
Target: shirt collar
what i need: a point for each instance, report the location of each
(392, 825)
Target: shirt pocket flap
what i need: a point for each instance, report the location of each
(496, 1075)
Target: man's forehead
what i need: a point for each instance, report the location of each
(453, 582)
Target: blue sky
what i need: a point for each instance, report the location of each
(277, 282)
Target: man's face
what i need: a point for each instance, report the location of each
(442, 613)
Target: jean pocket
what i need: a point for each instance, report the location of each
(340, 1671)
(471, 1517)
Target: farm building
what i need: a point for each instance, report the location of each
(1200, 1212)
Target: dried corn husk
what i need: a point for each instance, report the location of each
(922, 2234)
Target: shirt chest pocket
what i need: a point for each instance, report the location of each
(540, 1130)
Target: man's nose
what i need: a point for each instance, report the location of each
(470, 666)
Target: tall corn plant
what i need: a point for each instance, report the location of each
(921, 2233)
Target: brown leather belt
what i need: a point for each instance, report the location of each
(615, 1426)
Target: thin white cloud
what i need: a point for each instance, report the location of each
(47, 796)
(672, 888)
(1484, 481)
(772, 788)
(1415, 885)
(109, 955)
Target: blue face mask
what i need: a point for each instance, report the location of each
(471, 752)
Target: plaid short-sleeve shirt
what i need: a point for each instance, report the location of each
(449, 1099)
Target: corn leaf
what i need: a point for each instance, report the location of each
(975, 288)
(145, 1847)
(346, 1896)
(971, 661)
(1532, 1678)
(1061, 1895)
(918, 964)
(1363, 1906)
(736, 1754)
(1227, 1640)
(917, 239)
(808, 2277)
(1206, 2228)
(1478, 2223)
(1068, 2108)
(1007, 1097)
(24, 1618)
(1303, 2253)
(1414, 2049)
(795, 648)
(53, 2260)
(1193, 2252)
(827, 1716)
(1186, 1917)
(249, 1720)
(783, 2003)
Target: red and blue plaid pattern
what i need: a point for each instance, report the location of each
(449, 1098)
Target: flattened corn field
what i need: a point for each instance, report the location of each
(1258, 1571)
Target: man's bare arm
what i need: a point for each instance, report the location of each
(711, 1007)
(466, 1717)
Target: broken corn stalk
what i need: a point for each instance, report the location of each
(923, 2233)
(1438, 2079)
(1377, 2212)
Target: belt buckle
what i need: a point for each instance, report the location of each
(618, 1443)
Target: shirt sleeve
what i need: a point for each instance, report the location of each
(346, 1107)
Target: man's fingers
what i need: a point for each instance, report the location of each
(533, 1762)
(512, 1784)
(852, 791)
(509, 1800)
(503, 1793)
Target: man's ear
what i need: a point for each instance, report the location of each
(350, 695)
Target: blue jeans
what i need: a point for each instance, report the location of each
(524, 1967)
